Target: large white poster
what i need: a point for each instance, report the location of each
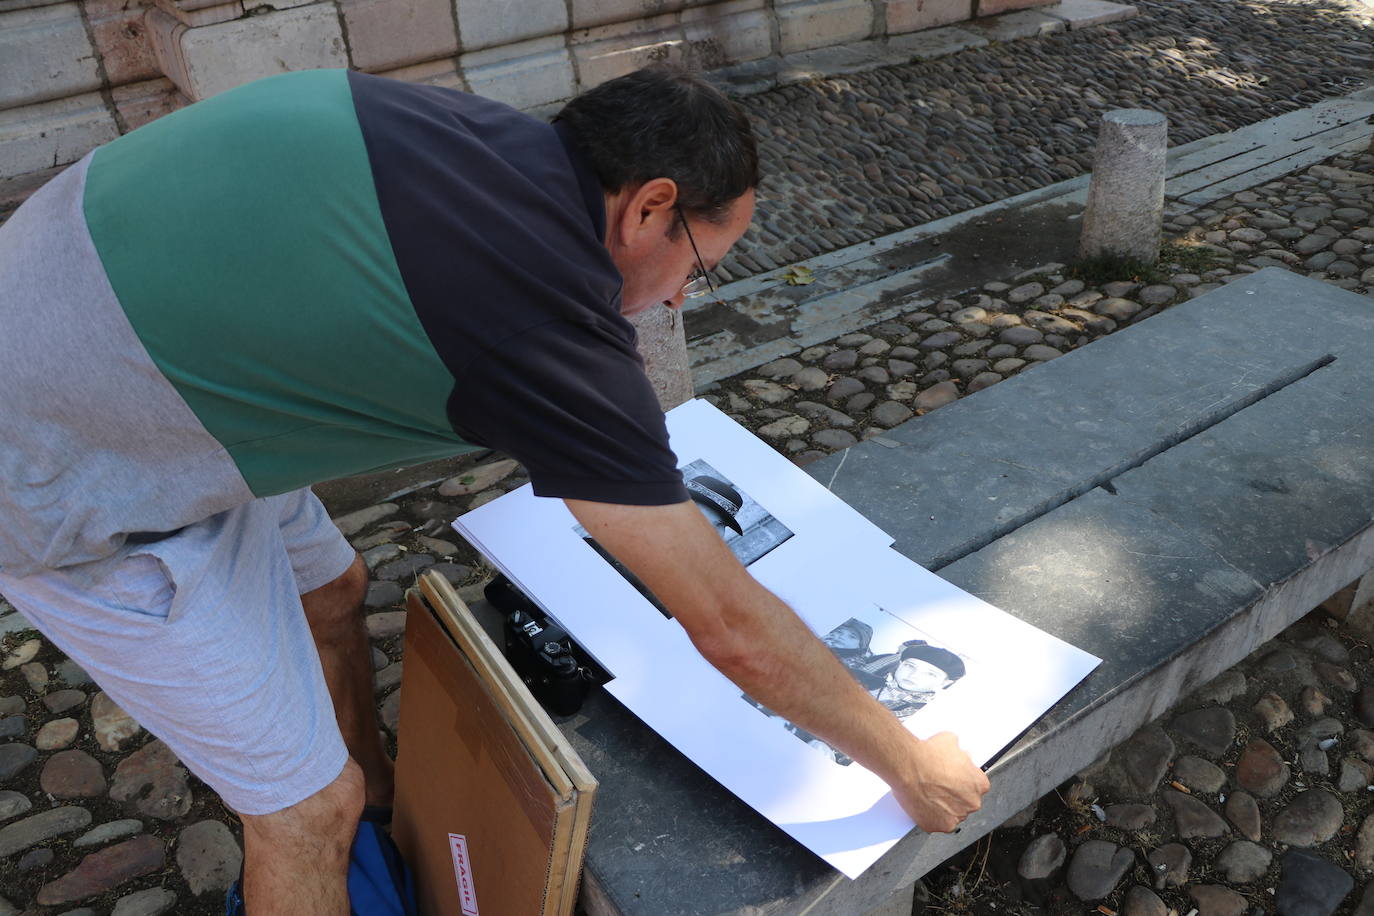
(937, 657)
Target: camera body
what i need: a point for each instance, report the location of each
(552, 666)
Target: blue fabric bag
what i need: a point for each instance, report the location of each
(379, 883)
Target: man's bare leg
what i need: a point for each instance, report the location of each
(295, 861)
(334, 612)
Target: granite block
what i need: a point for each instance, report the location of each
(1011, 26)
(1082, 14)
(811, 24)
(53, 133)
(913, 15)
(207, 60)
(610, 51)
(997, 7)
(487, 25)
(201, 12)
(122, 41)
(139, 103)
(722, 34)
(386, 34)
(527, 75)
(591, 13)
(44, 55)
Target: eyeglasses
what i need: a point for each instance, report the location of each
(699, 282)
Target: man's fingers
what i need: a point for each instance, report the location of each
(946, 817)
(942, 823)
(953, 788)
(939, 825)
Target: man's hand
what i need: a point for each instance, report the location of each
(759, 643)
(945, 788)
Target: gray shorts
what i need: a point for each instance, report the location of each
(201, 637)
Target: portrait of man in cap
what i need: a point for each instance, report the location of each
(904, 680)
(914, 675)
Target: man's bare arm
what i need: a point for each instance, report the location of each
(754, 639)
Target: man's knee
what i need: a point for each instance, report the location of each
(323, 822)
(339, 601)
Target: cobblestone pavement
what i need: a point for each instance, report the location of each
(853, 157)
(1274, 761)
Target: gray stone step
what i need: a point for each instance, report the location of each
(1208, 479)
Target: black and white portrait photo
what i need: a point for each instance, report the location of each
(748, 529)
(894, 662)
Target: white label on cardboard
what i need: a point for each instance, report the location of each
(462, 873)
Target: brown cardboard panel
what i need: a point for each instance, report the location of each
(462, 769)
(555, 756)
(560, 764)
(483, 737)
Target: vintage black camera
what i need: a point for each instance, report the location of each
(553, 667)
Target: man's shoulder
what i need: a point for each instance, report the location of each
(426, 97)
(415, 120)
(492, 223)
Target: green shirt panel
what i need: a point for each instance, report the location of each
(244, 241)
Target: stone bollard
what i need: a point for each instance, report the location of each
(1126, 192)
(663, 344)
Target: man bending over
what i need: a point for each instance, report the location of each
(326, 273)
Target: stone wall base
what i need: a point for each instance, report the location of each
(76, 73)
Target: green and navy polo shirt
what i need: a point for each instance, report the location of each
(314, 275)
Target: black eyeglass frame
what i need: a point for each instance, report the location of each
(701, 265)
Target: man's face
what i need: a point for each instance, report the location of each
(842, 638)
(915, 676)
(659, 271)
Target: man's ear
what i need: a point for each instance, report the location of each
(649, 210)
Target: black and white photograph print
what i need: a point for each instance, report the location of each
(750, 530)
(899, 665)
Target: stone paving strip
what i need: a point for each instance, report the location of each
(849, 158)
(770, 316)
(1251, 797)
(831, 395)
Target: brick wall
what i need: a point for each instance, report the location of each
(77, 73)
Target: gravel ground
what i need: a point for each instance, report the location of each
(1252, 796)
(854, 157)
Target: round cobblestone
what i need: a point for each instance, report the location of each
(1312, 817)
(841, 360)
(1020, 336)
(891, 413)
(1116, 309)
(56, 734)
(811, 379)
(834, 439)
(844, 388)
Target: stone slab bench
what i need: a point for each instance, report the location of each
(1168, 499)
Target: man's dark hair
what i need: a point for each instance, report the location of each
(665, 122)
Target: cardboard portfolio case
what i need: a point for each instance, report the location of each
(492, 804)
